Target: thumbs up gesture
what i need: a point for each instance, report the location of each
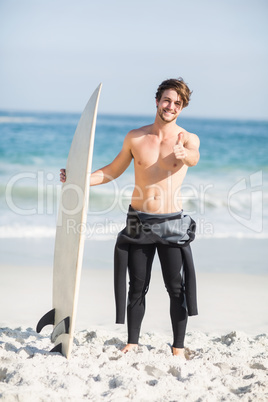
(179, 150)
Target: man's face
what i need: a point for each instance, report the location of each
(169, 106)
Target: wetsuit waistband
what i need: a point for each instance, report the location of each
(148, 215)
(172, 228)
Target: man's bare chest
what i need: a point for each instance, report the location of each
(157, 154)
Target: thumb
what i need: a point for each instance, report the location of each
(180, 137)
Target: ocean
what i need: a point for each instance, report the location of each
(226, 193)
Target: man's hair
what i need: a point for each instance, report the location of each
(177, 85)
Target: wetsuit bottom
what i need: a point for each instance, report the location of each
(140, 266)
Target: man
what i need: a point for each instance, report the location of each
(162, 153)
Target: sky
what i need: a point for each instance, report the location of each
(54, 53)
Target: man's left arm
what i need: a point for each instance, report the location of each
(187, 149)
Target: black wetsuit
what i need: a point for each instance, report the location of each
(170, 235)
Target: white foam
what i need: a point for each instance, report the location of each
(20, 120)
(103, 231)
(16, 231)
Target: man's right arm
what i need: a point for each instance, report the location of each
(113, 170)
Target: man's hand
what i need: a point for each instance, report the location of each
(63, 175)
(179, 150)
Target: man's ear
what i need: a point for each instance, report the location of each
(157, 103)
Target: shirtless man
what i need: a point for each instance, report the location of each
(162, 153)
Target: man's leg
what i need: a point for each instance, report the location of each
(171, 263)
(140, 265)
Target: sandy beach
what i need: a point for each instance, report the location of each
(226, 344)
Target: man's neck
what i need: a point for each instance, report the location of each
(163, 129)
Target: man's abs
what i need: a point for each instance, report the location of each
(158, 198)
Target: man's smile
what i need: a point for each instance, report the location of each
(168, 111)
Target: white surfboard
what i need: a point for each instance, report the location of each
(70, 233)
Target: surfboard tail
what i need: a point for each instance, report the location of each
(61, 328)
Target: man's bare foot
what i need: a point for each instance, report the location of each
(178, 352)
(129, 347)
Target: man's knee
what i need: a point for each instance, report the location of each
(175, 290)
(137, 289)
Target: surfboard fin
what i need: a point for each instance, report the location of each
(57, 349)
(61, 328)
(47, 319)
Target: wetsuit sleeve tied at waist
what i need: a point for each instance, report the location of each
(176, 231)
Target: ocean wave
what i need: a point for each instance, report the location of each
(34, 186)
(32, 232)
(17, 120)
(43, 118)
(233, 235)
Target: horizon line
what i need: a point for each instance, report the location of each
(129, 114)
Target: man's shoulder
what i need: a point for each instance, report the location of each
(139, 132)
(192, 138)
(189, 137)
